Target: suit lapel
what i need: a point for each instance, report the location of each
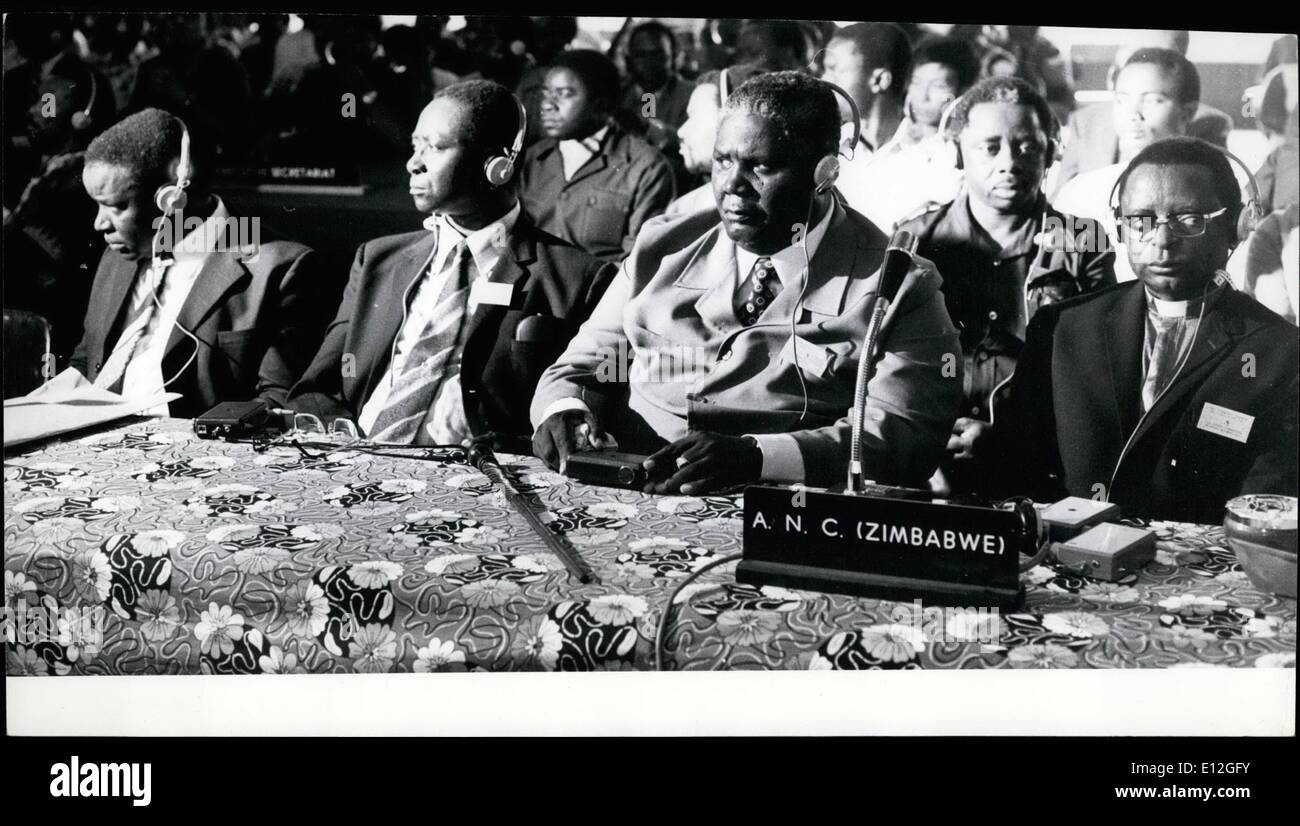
(712, 270)
(1124, 357)
(831, 269)
(387, 296)
(1221, 328)
(219, 272)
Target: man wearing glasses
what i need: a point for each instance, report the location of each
(1168, 395)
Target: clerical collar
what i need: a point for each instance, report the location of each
(1192, 306)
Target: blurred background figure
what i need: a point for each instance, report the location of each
(198, 81)
(1020, 51)
(590, 180)
(917, 167)
(1093, 140)
(50, 245)
(42, 45)
(1273, 102)
(113, 47)
(653, 92)
(700, 130)
(774, 45)
(257, 53)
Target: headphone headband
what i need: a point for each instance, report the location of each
(171, 197)
(500, 168)
(1251, 208)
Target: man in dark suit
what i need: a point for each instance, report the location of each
(590, 181)
(443, 332)
(1168, 395)
(197, 300)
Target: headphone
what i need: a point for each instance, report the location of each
(499, 168)
(171, 197)
(1249, 217)
(1052, 127)
(82, 119)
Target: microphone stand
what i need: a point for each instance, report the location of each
(482, 457)
(905, 243)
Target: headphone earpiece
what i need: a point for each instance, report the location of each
(499, 169)
(171, 197)
(826, 173)
(82, 119)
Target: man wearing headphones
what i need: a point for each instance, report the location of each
(1002, 250)
(188, 296)
(728, 345)
(443, 332)
(1169, 395)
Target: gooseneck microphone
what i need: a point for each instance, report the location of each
(893, 271)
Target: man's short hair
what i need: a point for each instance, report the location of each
(787, 42)
(1187, 81)
(147, 143)
(597, 72)
(660, 32)
(1185, 151)
(958, 55)
(1002, 89)
(882, 46)
(802, 107)
(492, 113)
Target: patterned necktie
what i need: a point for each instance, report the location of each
(1165, 348)
(414, 390)
(133, 331)
(757, 293)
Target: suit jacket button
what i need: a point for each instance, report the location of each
(98, 365)
(993, 315)
(591, 201)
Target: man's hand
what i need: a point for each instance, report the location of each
(703, 462)
(559, 436)
(968, 437)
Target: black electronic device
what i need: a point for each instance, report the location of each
(606, 467)
(232, 420)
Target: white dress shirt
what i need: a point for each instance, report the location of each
(143, 375)
(574, 154)
(782, 459)
(487, 246)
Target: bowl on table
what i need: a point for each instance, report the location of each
(1261, 530)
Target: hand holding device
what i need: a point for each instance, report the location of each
(567, 432)
(703, 462)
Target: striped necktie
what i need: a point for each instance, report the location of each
(414, 390)
(1166, 347)
(133, 331)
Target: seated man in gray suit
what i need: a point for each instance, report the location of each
(197, 299)
(729, 341)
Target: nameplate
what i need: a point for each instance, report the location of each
(1226, 422)
(491, 292)
(891, 543)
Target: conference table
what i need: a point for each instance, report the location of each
(146, 550)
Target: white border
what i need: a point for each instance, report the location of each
(1217, 702)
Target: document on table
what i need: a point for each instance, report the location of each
(69, 402)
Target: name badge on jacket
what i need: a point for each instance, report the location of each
(491, 292)
(1225, 422)
(813, 360)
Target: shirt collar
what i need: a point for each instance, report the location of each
(962, 224)
(575, 153)
(483, 243)
(205, 238)
(788, 262)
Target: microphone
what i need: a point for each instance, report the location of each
(898, 260)
(893, 271)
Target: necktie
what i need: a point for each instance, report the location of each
(133, 331)
(415, 389)
(757, 293)
(1165, 348)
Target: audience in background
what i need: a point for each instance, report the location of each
(917, 166)
(700, 130)
(590, 181)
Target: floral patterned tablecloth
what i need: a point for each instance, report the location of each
(142, 549)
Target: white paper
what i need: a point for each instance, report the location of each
(69, 402)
